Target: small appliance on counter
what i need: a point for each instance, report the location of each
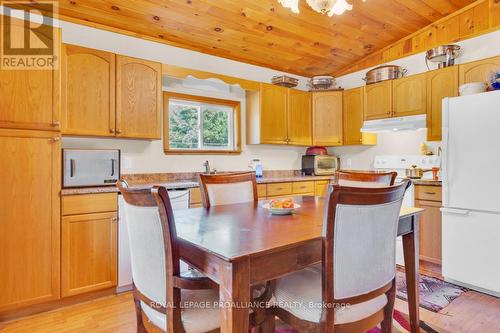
(319, 165)
(256, 165)
(90, 167)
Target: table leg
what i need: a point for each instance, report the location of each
(411, 256)
(235, 297)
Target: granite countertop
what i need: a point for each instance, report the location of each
(428, 182)
(181, 181)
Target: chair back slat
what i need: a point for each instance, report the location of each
(365, 178)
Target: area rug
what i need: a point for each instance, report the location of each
(435, 294)
(401, 324)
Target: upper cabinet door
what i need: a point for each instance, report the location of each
(273, 114)
(327, 118)
(138, 98)
(29, 99)
(353, 116)
(299, 118)
(409, 96)
(88, 91)
(441, 83)
(378, 100)
(478, 71)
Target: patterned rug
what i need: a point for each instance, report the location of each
(435, 294)
(401, 324)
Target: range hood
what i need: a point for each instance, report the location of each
(409, 123)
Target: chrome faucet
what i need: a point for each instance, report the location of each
(207, 167)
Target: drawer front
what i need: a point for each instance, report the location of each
(195, 197)
(303, 187)
(426, 192)
(278, 189)
(261, 190)
(89, 203)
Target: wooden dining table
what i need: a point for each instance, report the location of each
(241, 245)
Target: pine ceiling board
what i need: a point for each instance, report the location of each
(262, 32)
(422, 9)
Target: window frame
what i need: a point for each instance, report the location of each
(236, 134)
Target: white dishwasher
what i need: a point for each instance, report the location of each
(179, 200)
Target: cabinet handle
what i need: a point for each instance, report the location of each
(55, 139)
(111, 130)
(430, 193)
(114, 219)
(118, 131)
(56, 124)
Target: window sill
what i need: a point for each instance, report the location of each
(201, 152)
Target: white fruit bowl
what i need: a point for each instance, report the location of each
(280, 211)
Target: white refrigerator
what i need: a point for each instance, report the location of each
(471, 191)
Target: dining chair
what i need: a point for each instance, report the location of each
(365, 178)
(353, 289)
(163, 295)
(226, 189)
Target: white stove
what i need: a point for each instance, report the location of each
(399, 163)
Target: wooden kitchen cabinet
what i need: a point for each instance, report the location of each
(29, 217)
(261, 191)
(88, 91)
(353, 114)
(378, 100)
(279, 189)
(274, 114)
(277, 115)
(29, 99)
(89, 243)
(478, 71)
(88, 253)
(409, 96)
(299, 117)
(327, 118)
(430, 231)
(430, 236)
(138, 98)
(303, 188)
(441, 83)
(195, 197)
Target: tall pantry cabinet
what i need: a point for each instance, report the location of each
(30, 170)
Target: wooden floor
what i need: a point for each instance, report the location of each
(471, 313)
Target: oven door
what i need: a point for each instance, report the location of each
(90, 167)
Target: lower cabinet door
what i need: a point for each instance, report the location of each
(89, 253)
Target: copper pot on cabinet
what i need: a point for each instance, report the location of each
(415, 173)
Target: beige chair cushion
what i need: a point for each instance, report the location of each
(300, 294)
(230, 193)
(196, 319)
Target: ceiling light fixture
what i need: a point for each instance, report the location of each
(329, 7)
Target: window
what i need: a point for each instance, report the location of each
(195, 124)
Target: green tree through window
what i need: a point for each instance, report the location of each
(200, 126)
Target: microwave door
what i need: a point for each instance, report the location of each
(91, 168)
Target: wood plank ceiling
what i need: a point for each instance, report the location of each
(264, 33)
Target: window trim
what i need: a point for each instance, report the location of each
(236, 105)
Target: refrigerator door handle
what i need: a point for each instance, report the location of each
(455, 211)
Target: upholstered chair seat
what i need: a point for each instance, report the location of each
(195, 319)
(300, 294)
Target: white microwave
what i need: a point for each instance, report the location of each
(90, 167)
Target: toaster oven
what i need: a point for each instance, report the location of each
(319, 165)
